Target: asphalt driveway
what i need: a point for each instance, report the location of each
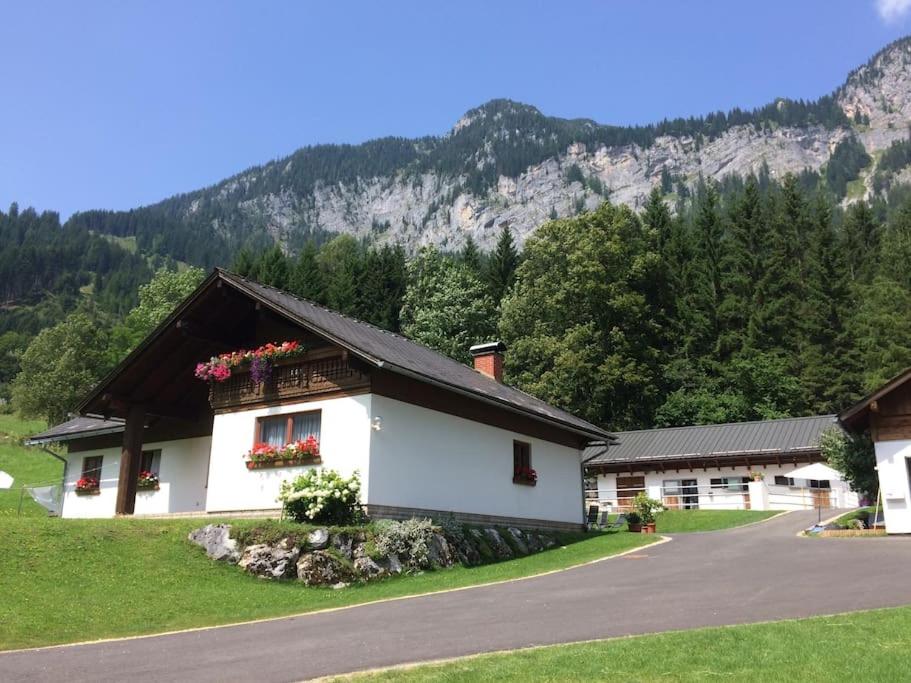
(754, 573)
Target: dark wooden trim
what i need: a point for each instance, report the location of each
(407, 390)
(325, 396)
(130, 457)
(162, 430)
(661, 464)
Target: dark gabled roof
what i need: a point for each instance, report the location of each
(856, 417)
(766, 437)
(77, 428)
(398, 354)
(375, 346)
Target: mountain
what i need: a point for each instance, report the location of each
(506, 163)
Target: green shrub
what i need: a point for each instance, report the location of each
(409, 540)
(322, 496)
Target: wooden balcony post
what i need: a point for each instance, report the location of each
(130, 457)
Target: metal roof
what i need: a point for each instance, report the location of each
(799, 434)
(77, 428)
(398, 354)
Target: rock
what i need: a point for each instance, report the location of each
(318, 539)
(498, 545)
(270, 561)
(547, 541)
(367, 568)
(340, 585)
(320, 568)
(533, 542)
(343, 544)
(439, 552)
(518, 540)
(216, 539)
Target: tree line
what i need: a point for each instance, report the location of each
(756, 298)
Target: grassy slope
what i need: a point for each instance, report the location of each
(69, 580)
(863, 646)
(25, 465)
(676, 521)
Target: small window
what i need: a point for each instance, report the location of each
(818, 484)
(150, 461)
(279, 430)
(733, 484)
(781, 480)
(522, 471)
(91, 467)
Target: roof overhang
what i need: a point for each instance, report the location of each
(706, 461)
(93, 403)
(857, 417)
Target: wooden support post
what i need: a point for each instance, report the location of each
(130, 457)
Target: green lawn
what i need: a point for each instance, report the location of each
(677, 521)
(25, 465)
(70, 580)
(862, 646)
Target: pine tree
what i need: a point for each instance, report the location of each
(860, 240)
(776, 324)
(705, 271)
(501, 266)
(243, 263)
(742, 268)
(272, 268)
(306, 280)
(830, 364)
(471, 256)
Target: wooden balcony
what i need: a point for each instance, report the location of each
(290, 380)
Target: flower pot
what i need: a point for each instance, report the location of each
(88, 492)
(635, 527)
(648, 528)
(250, 464)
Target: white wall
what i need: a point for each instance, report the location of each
(344, 446)
(182, 475)
(427, 459)
(780, 497)
(892, 469)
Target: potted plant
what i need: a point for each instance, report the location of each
(757, 476)
(147, 481)
(634, 522)
(87, 486)
(647, 509)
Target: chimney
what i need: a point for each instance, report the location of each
(488, 359)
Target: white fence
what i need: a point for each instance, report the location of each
(747, 495)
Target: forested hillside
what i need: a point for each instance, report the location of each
(737, 265)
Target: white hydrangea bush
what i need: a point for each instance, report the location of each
(322, 496)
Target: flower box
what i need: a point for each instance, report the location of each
(147, 481)
(88, 486)
(524, 481)
(292, 462)
(526, 476)
(294, 454)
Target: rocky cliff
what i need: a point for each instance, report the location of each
(505, 163)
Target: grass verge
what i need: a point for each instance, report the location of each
(861, 646)
(74, 580)
(25, 465)
(677, 521)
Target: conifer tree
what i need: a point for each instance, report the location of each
(272, 268)
(306, 279)
(860, 241)
(501, 266)
(243, 263)
(471, 256)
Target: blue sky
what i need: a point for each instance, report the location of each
(115, 104)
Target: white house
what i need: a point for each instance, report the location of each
(428, 435)
(886, 416)
(765, 465)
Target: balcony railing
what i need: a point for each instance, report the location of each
(294, 379)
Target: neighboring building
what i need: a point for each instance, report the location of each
(771, 464)
(428, 435)
(886, 415)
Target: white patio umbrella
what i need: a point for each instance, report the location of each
(816, 470)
